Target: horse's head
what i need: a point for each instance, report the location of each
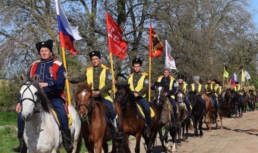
(180, 96)
(32, 98)
(84, 99)
(193, 97)
(122, 94)
(159, 94)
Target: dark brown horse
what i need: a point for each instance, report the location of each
(95, 130)
(165, 110)
(197, 112)
(236, 104)
(130, 121)
(225, 104)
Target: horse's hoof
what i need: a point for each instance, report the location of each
(179, 144)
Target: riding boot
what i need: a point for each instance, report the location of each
(118, 134)
(22, 147)
(147, 125)
(67, 141)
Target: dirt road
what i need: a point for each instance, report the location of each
(239, 135)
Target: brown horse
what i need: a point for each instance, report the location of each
(182, 118)
(95, 130)
(211, 111)
(251, 101)
(130, 121)
(246, 100)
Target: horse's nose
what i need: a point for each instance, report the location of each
(26, 117)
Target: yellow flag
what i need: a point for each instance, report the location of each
(243, 76)
(225, 73)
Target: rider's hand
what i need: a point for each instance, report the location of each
(135, 94)
(166, 93)
(113, 82)
(43, 84)
(95, 93)
(18, 108)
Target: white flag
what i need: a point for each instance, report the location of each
(169, 60)
(247, 75)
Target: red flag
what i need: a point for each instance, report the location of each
(156, 46)
(117, 45)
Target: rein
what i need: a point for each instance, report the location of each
(89, 108)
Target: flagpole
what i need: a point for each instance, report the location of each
(66, 80)
(112, 72)
(149, 91)
(150, 50)
(223, 77)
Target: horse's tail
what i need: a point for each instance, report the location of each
(79, 144)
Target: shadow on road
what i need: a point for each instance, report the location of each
(250, 131)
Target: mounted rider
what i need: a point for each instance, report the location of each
(218, 94)
(182, 86)
(99, 77)
(198, 88)
(240, 92)
(210, 88)
(170, 86)
(51, 74)
(138, 84)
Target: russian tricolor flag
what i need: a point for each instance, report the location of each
(234, 80)
(67, 33)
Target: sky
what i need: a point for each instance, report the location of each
(254, 11)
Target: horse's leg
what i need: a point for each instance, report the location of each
(173, 135)
(161, 138)
(209, 122)
(168, 127)
(138, 140)
(200, 125)
(89, 146)
(195, 126)
(105, 147)
(98, 146)
(179, 133)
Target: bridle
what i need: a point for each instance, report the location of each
(36, 102)
(88, 107)
(118, 97)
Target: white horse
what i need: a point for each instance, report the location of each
(41, 133)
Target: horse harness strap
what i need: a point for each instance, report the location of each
(35, 102)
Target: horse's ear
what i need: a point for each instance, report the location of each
(21, 78)
(90, 85)
(36, 78)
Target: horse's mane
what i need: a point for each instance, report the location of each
(125, 86)
(44, 100)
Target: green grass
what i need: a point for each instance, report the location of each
(8, 140)
(8, 118)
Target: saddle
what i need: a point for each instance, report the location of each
(141, 112)
(69, 116)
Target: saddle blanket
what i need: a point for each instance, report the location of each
(70, 120)
(141, 112)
